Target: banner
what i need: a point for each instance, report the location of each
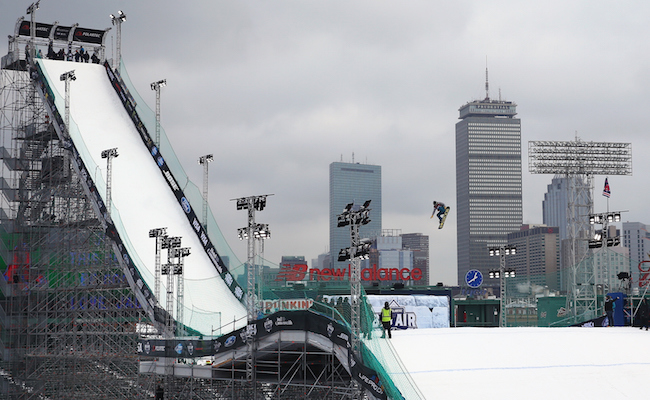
(42, 30)
(86, 35)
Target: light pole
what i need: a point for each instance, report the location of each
(67, 77)
(205, 160)
(502, 273)
(31, 10)
(160, 234)
(251, 232)
(358, 250)
(155, 86)
(117, 21)
(109, 155)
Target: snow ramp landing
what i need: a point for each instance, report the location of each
(145, 193)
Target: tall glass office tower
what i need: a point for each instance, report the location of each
(353, 183)
(488, 182)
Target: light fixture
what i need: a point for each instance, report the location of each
(121, 17)
(68, 76)
(242, 233)
(110, 153)
(157, 232)
(159, 84)
(33, 7)
(206, 159)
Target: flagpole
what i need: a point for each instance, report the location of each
(607, 199)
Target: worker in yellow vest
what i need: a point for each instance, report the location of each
(386, 316)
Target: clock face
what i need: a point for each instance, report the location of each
(474, 278)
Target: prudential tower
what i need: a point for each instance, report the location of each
(488, 181)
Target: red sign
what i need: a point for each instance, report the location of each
(298, 272)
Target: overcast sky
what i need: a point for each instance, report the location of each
(277, 90)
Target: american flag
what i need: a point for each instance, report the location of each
(606, 191)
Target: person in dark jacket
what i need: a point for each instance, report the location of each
(160, 392)
(609, 309)
(644, 314)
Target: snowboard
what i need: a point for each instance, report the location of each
(444, 217)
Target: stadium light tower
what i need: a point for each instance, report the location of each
(109, 155)
(579, 161)
(117, 21)
(155, 86)
(502, 273)
(358, 250)
(67, 77)
(251, 232)
(204, 160)
(159, 234)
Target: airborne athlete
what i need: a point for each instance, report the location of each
(442, 212)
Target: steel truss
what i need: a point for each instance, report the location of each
(287, 366)
(68, 316)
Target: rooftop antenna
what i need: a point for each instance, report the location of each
(499, 94)
(353, 157)
(487, 85)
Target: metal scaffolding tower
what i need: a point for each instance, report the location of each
(579, 161)
(69, 319)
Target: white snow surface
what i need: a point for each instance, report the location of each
(140, 194)
(527, 363)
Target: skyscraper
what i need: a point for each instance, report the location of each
(555, 212)
(419, 244)
(488, 181)
(353, 183)
(538, 257)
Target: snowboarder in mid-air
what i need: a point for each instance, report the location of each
(442, 212)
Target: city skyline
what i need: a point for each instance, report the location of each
(297, 85)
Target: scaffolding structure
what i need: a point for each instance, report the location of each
(69, 319)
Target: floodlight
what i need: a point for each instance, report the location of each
(110, 153)
(206, 159)
(513, 250)
(594, 244)
(259, 203)
(157, 85)
(242, 233)
(242, 204)
(617, 217)
(68, 76)
(33, 7)
(171, 242)
(598, 236)
(157, 232)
